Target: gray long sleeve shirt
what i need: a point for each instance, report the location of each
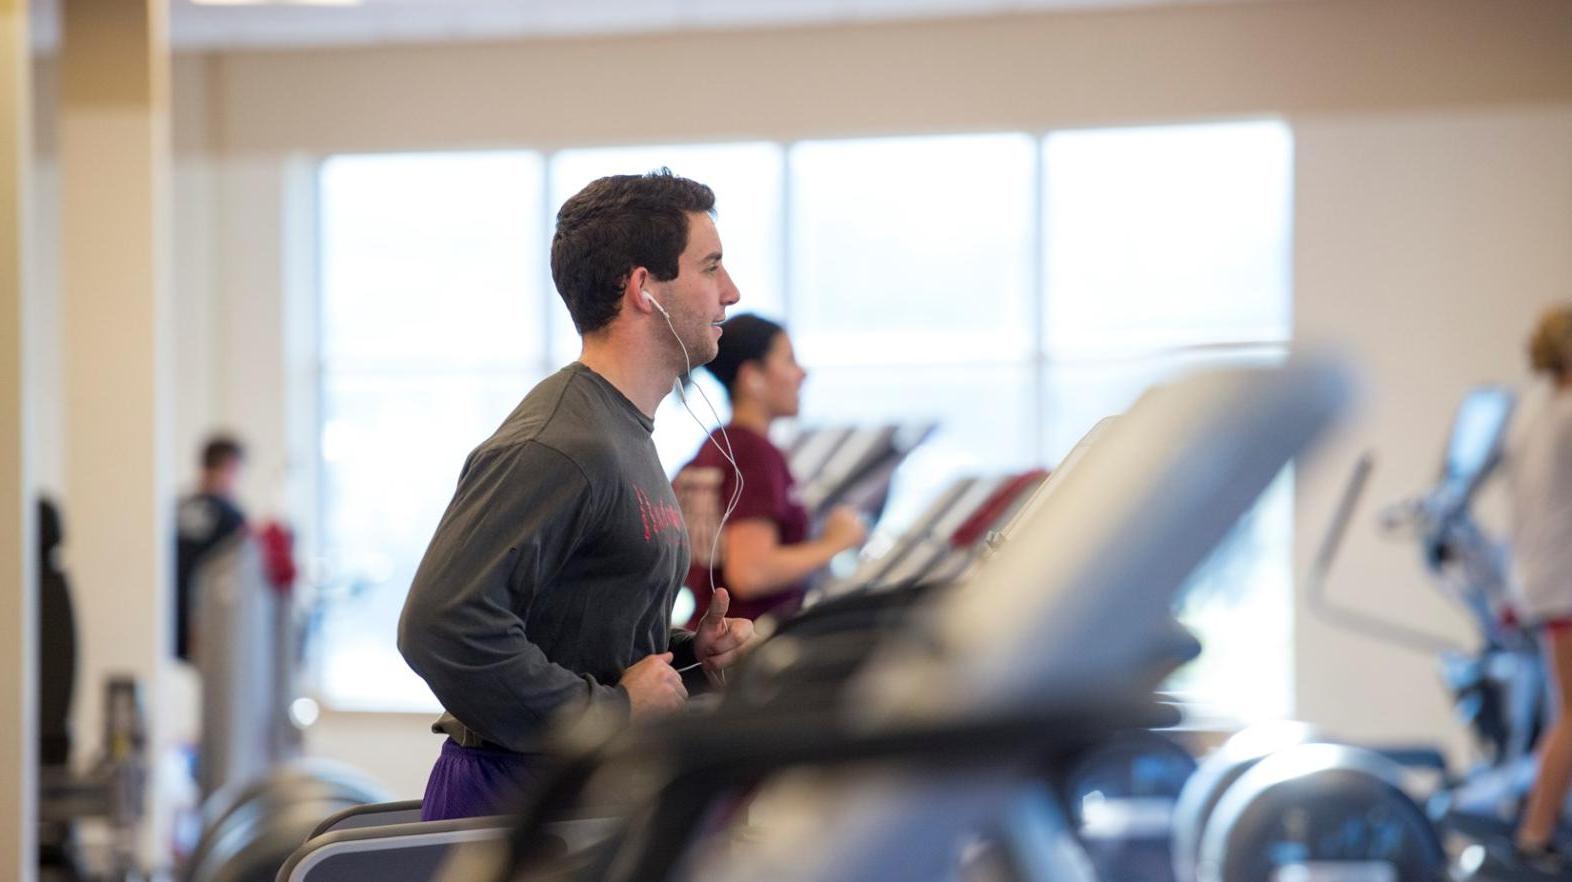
(554, 568)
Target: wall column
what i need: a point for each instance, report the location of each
(114, 161)
(18, 542)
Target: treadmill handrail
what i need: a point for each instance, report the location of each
(387, 837)
(876, 571)
(700, 752)
(337, 820)
(1321, 567)
(974, 528)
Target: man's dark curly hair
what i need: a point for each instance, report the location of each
(613, 225)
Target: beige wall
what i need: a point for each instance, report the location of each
(43, 272)
(18, 523)
(1432, 210)
(1425, 245)
(1028, 71)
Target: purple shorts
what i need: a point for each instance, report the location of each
(469, 782)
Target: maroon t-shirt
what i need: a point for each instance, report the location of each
(769, 491)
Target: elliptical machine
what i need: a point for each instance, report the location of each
(1497, 686)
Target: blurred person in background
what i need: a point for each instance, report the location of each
(1541, 477)
(203, 521)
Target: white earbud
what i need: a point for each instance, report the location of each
(650, 299)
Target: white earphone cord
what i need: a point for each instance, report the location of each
(726, 452)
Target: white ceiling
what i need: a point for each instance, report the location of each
(294, 23)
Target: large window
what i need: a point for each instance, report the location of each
(1015, 288)
(427, 334)
(913, 245)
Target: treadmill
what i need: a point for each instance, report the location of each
(1054, 643)
(851, 465)
(945, 540)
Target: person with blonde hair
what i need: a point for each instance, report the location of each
(1541, 472)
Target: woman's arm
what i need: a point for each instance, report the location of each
(758, 565)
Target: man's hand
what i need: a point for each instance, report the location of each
(719, 641)
(654, 687)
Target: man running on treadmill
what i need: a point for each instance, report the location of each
(547, 589)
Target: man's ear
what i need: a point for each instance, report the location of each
(633, 288)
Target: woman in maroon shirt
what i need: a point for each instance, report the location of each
(764, 556)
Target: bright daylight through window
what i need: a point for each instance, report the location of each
(1016, 288)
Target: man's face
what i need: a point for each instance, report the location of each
(224, 478)
(697, 298)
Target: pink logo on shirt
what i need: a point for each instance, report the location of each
(658, 517)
